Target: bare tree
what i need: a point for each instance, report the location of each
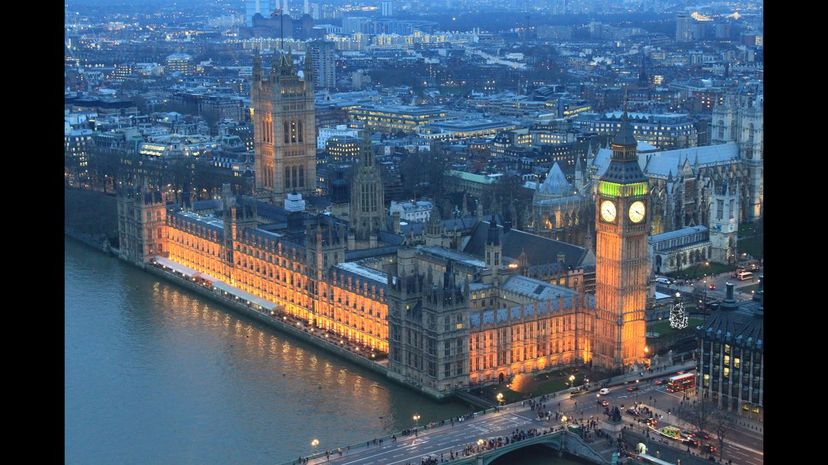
(700, 414)
(722, 422)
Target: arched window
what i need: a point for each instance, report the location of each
(301, 168)
(300, 134)
(287, 133)
(287, 176)
(721, 129)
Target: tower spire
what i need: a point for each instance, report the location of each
(308, 66)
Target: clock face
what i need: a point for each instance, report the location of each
(637, 211)
(608, 211)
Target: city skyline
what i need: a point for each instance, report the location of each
(495, 203)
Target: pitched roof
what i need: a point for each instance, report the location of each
(660, 164)
(555, 182)
(539, 250)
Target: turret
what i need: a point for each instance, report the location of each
(493, 247)
(308, 70)
(257, 66)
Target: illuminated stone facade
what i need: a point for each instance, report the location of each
(446, 318)
(301, 271)
(142, 229)
(284, 130)
(622, 264)
(455, 320)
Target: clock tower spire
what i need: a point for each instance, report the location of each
(622, 264)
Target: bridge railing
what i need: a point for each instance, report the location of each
(398, 435)
(613, 381)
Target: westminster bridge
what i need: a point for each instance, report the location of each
(476, 439)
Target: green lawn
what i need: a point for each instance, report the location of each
(663, 326)
(754, 246)
(751, 238)
(528, 385)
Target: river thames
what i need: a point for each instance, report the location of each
(158, 375)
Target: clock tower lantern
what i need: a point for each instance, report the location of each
(622, 262)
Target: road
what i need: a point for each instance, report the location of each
(742, 448)
(436, 440)
(719, 280)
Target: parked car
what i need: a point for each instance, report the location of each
(708, 448)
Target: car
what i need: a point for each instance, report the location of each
(704, 435)
(691, 443)
(604, 403)
(708, 448)
(632, 388)
(659, 382)
(603, 391)
(712, 286)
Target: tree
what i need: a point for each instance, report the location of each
(700, 414)
(722, 422)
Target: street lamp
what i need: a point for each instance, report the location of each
(571, 380)
(566, 430)
(500, 398)
(480, 443)
(314, 444)
(416, 418)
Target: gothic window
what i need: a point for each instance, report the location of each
(293, 131)
(287, 133)
(721, 130)
(719, 209)
(300, 131)
(287, 177)
(301, 170)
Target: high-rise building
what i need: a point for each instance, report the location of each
(622, 262)
(263, 7)
(683, 32)
(284, 129)
(324, 63)
(387, 9)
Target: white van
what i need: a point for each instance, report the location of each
(744, 275)
(663, 280)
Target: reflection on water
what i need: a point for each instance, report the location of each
(157, 375)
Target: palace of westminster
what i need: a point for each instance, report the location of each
(448, 309)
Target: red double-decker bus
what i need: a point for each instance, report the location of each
(681, 382)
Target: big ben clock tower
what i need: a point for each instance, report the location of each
(622, 262)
